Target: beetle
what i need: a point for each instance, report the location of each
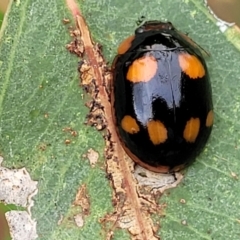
(161, 97)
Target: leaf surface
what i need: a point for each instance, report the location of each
(40, 96)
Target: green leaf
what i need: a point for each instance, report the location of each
(40, 96)
(1, 18)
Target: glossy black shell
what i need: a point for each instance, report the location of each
(171, 97)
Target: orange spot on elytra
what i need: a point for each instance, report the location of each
(125, 44)
(191, 65)
(142, 69)
(191, 130)
(157, 132)
(209, 119)
(129, 125)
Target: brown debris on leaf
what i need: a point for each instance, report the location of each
(79, 210)
(70, 130)
(133, 202)
(82, 200)
(66, 21)
(79, 220)
(92, 157)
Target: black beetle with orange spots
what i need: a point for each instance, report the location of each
(161, 97)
